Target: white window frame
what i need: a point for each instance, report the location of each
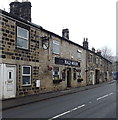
(101, 61)
(53, 72)
(97, 60)
(26, 75)
(57, 43)
(79, 54)
(91, 58)
(23, 38)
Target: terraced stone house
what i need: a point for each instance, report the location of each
(34, 60)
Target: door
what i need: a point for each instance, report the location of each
(69, 77)
(1, 81)
(92, 77)
(97, 76)
(10, 81)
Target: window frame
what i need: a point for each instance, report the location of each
(30, 75)
(91, 58)
(79, 74)
(79, 54)
(54, 71)
(63, 75)
(74, 74)
(56, 42)
(23, 38)
(97, 60)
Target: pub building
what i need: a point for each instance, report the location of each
(34, 60)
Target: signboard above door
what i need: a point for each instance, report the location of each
(62, 61)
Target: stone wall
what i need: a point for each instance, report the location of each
(40, 59)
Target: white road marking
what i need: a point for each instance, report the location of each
(57, 116)
(104, 96)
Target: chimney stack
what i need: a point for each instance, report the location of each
(93, 49)
(65, 33)
(85, 43)
(21, 9)
(14, 8)
(98, 52)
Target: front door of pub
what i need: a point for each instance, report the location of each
(69, 77)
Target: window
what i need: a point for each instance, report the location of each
(97, 60)
(79, 74)
(56, 73)
(26, 75)
(91, 58)
(79, 54)
(56, 47)
(64, 75)
(22, 38)
(74, 74)
(101, 61)
(10, 73)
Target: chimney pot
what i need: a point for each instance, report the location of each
(65, 33)
(85, 43)
(93, 49)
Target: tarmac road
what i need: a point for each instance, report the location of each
(98, 102)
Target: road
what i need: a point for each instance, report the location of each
(98, 102)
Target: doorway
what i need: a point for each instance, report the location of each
(69, 77)
(1, 78)
(9, 81)
(97, 76)
(92, 77)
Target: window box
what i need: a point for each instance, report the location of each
(57, 81)
(79, 80)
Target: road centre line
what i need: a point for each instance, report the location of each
(57, 116)
(104, 96)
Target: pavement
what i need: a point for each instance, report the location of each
(19, 101)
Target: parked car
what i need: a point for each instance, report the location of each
(115, 75)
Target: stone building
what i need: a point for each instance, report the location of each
(34, 60)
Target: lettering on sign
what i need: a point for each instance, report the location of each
(62, 61)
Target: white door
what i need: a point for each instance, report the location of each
(92, 77)
(93, 81)
(1, 78)
(10, 82)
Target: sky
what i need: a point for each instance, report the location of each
(92, 19)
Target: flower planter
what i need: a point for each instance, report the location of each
(57, 81)
(79, 80)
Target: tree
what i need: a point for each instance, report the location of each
(107, 53)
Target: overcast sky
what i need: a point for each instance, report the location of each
(94, 19)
